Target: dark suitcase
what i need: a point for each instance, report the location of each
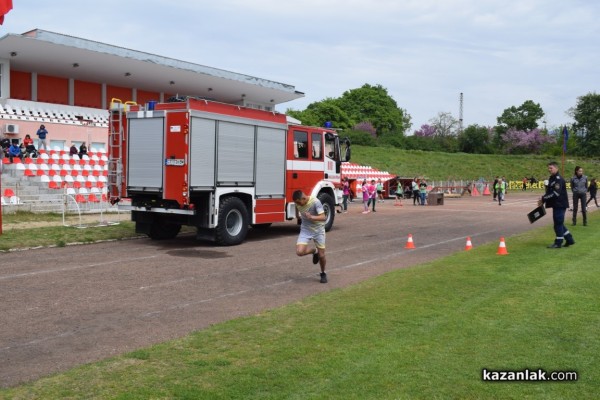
(536, 214)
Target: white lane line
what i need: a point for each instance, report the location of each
(222, 296)
(405, 251)
(285, 261)
(256, 289)
(241, 292)
(40, 340)
(49, 271)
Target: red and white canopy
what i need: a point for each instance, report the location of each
(357, 171)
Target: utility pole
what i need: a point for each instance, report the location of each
(460, 114)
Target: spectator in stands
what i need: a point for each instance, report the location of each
(73, 150)
(42, 133)
(14, 151)
(28, 140)
(29, 147)
(23, 151)
(5, 142)
(82, 150)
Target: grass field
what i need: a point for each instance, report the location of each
(422, 332)
(28, 230)
(442, 166)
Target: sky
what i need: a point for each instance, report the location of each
(424, 52)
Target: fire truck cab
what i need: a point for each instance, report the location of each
(218, 167)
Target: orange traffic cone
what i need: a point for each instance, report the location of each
(502, 247)
(469, 245)
(409, 243)
(486, 191)
(475, 192)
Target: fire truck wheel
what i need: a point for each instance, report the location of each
(162, 230)
(233, 222)
(329, 207)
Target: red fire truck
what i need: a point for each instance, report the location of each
(218, 167)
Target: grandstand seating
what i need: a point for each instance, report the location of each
(29, 111)
(52, 172)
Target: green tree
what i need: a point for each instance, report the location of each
(522, 118)
(586, 128)
(475, 139)
(317, 113)
(375, 105)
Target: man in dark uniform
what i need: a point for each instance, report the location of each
(556, 197)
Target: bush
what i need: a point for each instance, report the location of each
(393, 140)
(359, 137)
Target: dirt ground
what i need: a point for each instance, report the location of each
(62, 307)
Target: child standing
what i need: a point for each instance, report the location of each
(399, 194)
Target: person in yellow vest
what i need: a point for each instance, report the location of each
(500, 188)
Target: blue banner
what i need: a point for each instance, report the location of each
(565, 139)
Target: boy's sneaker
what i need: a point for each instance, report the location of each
(323, 277)
(316, 257)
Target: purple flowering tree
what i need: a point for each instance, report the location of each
(531, 142)
(426, 131)
(366, 126)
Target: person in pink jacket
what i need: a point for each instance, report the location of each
(373, 194)
(365, 194)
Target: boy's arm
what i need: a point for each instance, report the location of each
(320, 217)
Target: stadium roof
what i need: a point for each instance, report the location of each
(55, 54)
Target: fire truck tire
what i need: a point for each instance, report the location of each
(329, 207)
(233, 222)
(162, 230)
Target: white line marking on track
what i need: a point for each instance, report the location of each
(49, 271)
(40, 340)
(372, 260)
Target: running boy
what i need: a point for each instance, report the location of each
(313, 217)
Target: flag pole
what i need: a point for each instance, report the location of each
(564, 147)
(563, 163)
